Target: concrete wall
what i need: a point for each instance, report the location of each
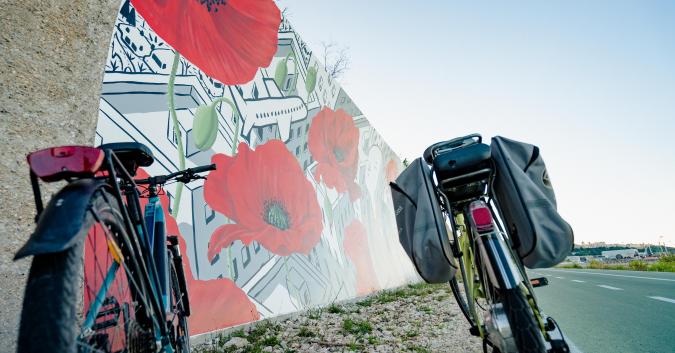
(52, 55)
(287, 140)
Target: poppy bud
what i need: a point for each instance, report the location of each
(280, 73)
(310, 81)
(205, 127)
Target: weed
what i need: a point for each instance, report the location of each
(391, 295)
(270, 341)
(418, 349)
(419, 285)
(306, 332)
(314, 314)
(366, 302)
(411, 334)
(442, 297)
(335, 309)
(373, 340)
(356, 327)
(238, 333)
(425, 309)
(353, 346)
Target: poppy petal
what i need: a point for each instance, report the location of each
(225, 235)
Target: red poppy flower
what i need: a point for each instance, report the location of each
(356, 248)
(333, 142)
(227, 39)
(215, 303)
(268, 196)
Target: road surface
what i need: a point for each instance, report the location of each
(611, 311)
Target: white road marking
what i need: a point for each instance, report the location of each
(664, 299)
(559, 277)
(578, 281)
(609, 287)
(585, 272)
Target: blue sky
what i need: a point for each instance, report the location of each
(591, 82)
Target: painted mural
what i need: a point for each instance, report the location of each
(298, 213)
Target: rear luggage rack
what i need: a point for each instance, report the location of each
(464, 179)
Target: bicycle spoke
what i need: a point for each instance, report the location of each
(111, 296)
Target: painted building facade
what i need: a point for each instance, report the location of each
(298, 213)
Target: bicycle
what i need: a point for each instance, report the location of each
(105, 277)
(493, 276)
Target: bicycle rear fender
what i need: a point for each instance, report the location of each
(61, 220)
(502, 270)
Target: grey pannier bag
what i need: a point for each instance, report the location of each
(526, 200)
(421, 225)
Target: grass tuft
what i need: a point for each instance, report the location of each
(356, 327)
(335, 309)
(306, 332)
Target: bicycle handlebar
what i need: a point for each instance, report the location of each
(201, 169)
(185, 176)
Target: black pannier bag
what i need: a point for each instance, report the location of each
(526, 200)
(421, 225)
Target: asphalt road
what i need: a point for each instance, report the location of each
(611, 311)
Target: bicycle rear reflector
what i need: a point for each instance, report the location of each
(57, 163)
(481, 216)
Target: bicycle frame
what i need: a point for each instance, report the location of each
(150, 228)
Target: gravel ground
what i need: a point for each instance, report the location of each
(417, 318)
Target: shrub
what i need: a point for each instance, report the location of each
(570, 265)
(638, 265)
(595, 264)
(665, 264)
(667, 258)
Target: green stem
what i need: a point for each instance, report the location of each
(176, 131)
(235, 139)
(234, 152)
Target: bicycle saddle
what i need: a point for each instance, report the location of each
(131, 154)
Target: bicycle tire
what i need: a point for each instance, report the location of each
(180, 330)
(461, 301)
(58, 287)
(524, 327)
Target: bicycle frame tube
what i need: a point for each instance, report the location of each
(468, 275)
(156, 226)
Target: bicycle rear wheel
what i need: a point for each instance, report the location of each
(87, 298)
(180, 333)
(524, 327)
